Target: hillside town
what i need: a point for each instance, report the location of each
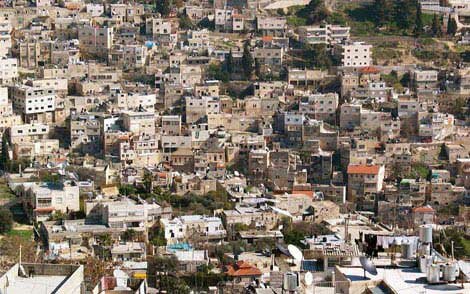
(234, 146)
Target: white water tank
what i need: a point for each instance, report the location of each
(434, 274)
(291, 282)
(450, 272)
(407, 251)
(425, 234)
(424, 262)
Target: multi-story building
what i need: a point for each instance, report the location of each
(268, 25)
(364, 181)
(85, 134)
(323, 34)
(140, 123)
(35, 104)
(199, 107)
(95, 40)
(355, 54)
(27, 133)
(321, 107)
(41, 200)
(8, 70)
(193, 227)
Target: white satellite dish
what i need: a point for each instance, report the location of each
(295, 252)
(308, 279)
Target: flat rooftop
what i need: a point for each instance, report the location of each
(42, 278)
(403, 280)
(36, 284)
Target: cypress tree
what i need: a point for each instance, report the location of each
(229, 63)
(4, 155)
(418, 29)
(162, 7)
(436, 26)
(247, 61)
(451, 26)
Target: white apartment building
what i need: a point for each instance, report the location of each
(6, 107)
(134, 101)
(175, 230)
(95, 9)
(436, 126)
(23, 133)
(208, 226)
(140, 123)
(193, 226)
(356, 54)
(325, 34)
(223, 19)
(123, 213)
(271, 25)
(8, 70)
(41, 200)
(35, 104)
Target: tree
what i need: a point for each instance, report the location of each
(185, 22)
(214, 71)
(127, 190)
(6, 220)
(58, 216)
(129, 235)
(436, 26)
(381, 11)
(451, 26)
(247, 61)
(162, 271)
(314, 12)
(317, 55)
(258, 69)
(162, 7)
(4, 155)
(157, 235)
(405, 79)
(418, 29)
(106, 239)
(147, 181)
(229, 63)
(403, 15)
(461, 249)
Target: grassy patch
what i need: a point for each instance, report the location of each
(462, 48)
(5, 192)
(296, 21)
(466, 244)
(427, 19)
(25, 234)
(379, 53)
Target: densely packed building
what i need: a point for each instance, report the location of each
(182, 146)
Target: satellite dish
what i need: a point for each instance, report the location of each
(308, 279)
(295, 252)
(368, 266)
